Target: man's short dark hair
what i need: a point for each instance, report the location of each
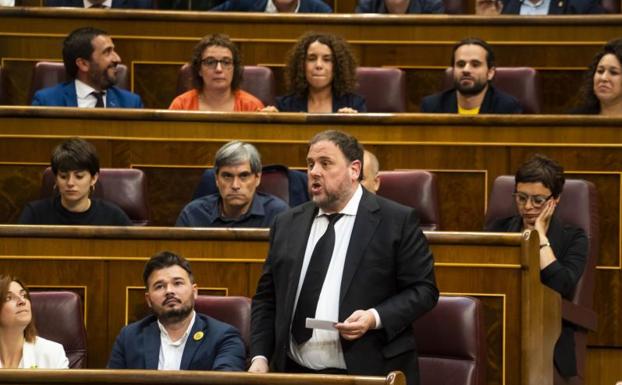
(75, 154)
(490, 55)
(163, 260)
(79, 45)
(540, 168)
(348, 144)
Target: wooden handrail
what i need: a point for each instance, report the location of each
(94, 377)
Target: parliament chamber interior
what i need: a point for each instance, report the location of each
(153, 159)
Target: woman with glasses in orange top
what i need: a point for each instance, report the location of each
(216, 75)
(20, 347)
(563, 248)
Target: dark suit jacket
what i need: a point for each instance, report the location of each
(220, 348)
(558, 7)
(388, 267)
(495, 102)
(123, 4)
(306, 6)
(64, 95)
(415, 6)
(295, 103)
(570, 247)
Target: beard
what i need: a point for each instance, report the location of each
(175, 315)
(102, 77)
(474, 89)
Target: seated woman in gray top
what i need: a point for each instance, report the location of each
(400, 7)
(76, 168)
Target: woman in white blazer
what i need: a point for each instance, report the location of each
(20, 347)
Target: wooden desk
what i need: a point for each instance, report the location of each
(154, 44)
(104, 265)
(145, 377)
(466, 153)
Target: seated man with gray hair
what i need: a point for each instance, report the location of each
(237, 204)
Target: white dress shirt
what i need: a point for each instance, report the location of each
(271, 8)
(85, 96)
(539, 8)
(323, 350)
(171, 352)
(105, 4)
(43, 354)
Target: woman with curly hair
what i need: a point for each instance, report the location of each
(321, 75)
(216, 75)
(602, 88)
(20, 347)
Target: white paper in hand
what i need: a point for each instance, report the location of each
(312, 323)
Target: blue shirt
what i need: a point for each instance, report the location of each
(205, 212)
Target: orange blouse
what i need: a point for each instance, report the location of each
(244, 102)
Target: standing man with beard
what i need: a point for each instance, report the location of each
(175, 337)
(91, 64)
(473, 63)
(356, 261)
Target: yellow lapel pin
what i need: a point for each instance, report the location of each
(198, 336)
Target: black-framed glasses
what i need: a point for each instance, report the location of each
(212, 63)
(536, 200)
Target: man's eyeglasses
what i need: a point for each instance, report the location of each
(211, 63)
(536, 200)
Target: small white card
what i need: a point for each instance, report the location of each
(312, 323)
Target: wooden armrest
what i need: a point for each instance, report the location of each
(579, 315)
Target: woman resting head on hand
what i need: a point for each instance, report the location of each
(20, 347)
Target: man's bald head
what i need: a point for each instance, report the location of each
(370, 181)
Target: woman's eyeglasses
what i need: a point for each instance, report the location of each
(536, 200)
(212, 63)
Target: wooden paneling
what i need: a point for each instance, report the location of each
(156, 83)
(109, 263)
(153, 42)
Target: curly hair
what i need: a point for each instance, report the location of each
(587, 102)
(344, 68)
(218, 40)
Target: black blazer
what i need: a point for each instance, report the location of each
(495, 102)
(295, 103)
(558, 7)
(306, 6)
(414, 7)
(388, 267)
(570, 246)
(123, 4)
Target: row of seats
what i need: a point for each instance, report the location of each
(127, 188)
(577, 207)
(520, 82)
(451, 338)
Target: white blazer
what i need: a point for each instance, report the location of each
(43, 354)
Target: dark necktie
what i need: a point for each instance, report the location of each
(314, 280)
(100, 98)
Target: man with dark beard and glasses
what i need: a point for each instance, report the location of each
(473, 64)
(91, 64)
(175, 337)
